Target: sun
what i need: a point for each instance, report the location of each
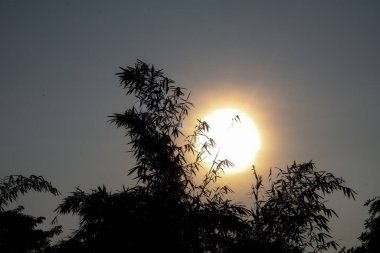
(236, 136)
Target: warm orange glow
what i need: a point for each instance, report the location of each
(237, 138)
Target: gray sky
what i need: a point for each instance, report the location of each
(307, 72)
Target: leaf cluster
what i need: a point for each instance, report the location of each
(293, 211)
(13, 185)
(19, 232)
(370, 238)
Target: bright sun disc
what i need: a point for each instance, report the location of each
(236, 140)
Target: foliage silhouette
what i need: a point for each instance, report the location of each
(170, 210)
(370, 238)
(166, 209)
(18, 231)
(292, 212)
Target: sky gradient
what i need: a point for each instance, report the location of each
(307, 72)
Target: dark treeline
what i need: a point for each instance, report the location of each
(170, 209)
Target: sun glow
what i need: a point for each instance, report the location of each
(236, 136)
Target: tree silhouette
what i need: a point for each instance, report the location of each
(170, 210)
(18, 231)
(370, 238)
(167, 209)
(292, 212)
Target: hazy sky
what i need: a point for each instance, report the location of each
(307, 72)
